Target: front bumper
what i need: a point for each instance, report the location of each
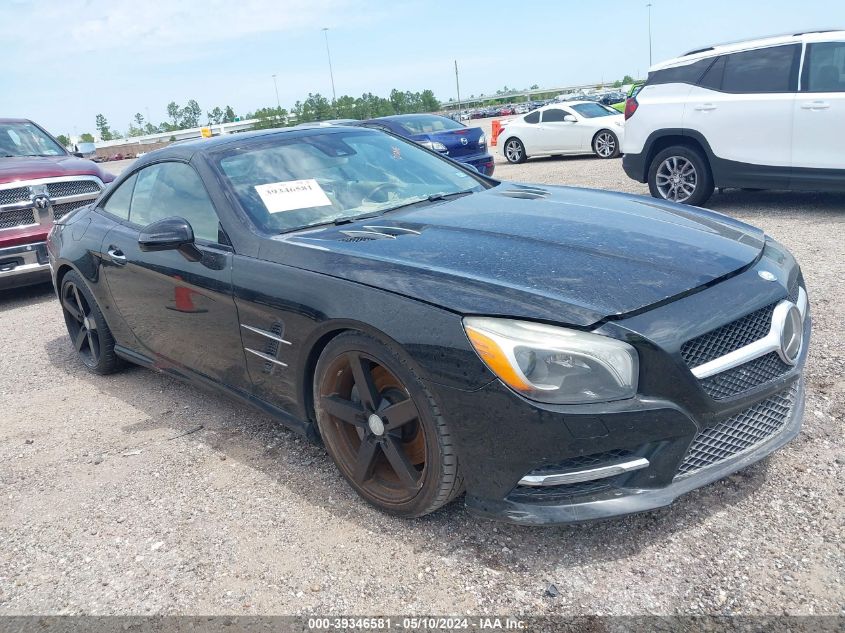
(503, 439)
(24, 265)
(626, 500)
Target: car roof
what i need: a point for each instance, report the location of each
(185, 150)
(13, 120)
(732, 47)
(405, 117)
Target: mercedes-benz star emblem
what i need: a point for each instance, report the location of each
(791, 335)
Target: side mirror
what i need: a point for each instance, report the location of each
(170, 234)
(570, 119)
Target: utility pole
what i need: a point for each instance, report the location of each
(458, 86)
(649, 34)
(276, 86)
(329, 54)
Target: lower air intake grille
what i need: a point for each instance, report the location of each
(739, 432)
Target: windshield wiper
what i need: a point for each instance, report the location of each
(435, 197)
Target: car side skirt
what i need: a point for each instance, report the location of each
(182, 373)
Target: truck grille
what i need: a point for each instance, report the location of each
(17, 217)
(67, 188)
(12, 196)
(61, 194)
(60, 210)
(740, 432)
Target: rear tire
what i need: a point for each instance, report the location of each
(680, 174)
(90, 335)
(382, 427)
(515, 151)
(606, 144)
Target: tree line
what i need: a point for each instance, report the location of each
(315, 108)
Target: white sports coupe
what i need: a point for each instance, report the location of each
(575, 127)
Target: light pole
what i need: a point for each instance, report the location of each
(276, 86)
(329, 54)
(649, 33)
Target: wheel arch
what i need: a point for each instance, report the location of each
(658, 141)
(317, 342)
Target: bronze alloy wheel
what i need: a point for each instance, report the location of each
(89, 334)
(385, 435)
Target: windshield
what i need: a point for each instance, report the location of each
(26, 139)
(593, 110)
(429, 124)
(286, 183)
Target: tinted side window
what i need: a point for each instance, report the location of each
(118, 202)
(174, 189)
(824, 68)
(553, 115)
(534, 117)
(712, 79)
(764, 70)
(686, 74)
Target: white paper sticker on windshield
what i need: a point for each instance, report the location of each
(292, 194)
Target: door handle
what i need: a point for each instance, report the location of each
(705, 107)
(815, 105)
(116, 255)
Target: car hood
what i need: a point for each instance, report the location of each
(32, 167)
(559, 254)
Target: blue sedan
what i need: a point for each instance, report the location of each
(441, 134)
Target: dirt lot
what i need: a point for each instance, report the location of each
(136, 494)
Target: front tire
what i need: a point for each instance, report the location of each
(91, 337)
(680, 174)
(606, 144)
(515, 151)
(382, 427)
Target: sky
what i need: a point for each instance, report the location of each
(65, 61)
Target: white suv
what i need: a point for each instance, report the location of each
(762, 114)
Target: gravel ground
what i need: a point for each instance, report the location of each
(137, 494)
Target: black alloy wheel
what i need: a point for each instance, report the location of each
(88, 331)
(382, 429)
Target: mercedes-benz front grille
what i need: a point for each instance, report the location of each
(731, 337)
(740, 432)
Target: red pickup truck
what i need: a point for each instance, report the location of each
(40, 181)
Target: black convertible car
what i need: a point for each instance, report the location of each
(559, 354)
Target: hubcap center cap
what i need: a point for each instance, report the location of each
(376, 424)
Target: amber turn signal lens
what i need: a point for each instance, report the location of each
(496, 359)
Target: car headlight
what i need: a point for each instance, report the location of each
(433, 145)
(554, 364)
